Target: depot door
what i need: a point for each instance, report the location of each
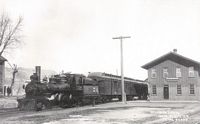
(166, 91)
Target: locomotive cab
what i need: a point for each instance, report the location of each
(82, 90)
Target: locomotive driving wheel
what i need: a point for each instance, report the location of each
(42, 104)
(66, 101)
(39, 106)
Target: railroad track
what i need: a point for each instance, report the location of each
(10, 112)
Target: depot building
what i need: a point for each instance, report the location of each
(173, 77)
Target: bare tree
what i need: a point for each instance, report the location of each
(10, 33)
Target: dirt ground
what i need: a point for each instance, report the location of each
(8, 102)
(134, 112)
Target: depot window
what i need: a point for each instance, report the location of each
(191, 72)
(153, 73)
(165, 72)
(154, 89)
(191, 88)
(178, 72)
(179, 91)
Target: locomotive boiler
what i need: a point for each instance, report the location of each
(36, 88)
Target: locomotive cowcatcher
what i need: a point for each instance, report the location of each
(64, 90)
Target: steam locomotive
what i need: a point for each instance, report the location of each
(67, 90)
(64, 90)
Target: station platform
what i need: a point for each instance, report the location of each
(8, 102)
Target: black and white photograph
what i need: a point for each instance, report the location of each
(99, 61)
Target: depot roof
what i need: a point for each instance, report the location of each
(173, 56)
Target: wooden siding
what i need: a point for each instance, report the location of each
(184, 81)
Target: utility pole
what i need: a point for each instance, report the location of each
(122, 71)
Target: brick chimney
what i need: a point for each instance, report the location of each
(175, 50)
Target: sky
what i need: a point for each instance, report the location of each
(76, 35)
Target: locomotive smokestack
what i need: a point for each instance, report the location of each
(38, 72)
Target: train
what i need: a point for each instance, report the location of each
(68, 90)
